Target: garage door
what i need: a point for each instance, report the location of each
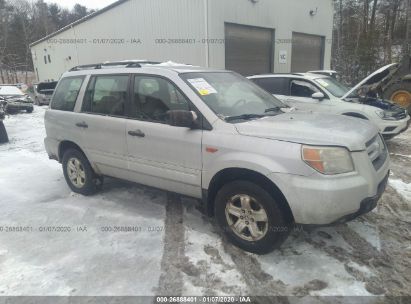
(248, 50)
(307, 53)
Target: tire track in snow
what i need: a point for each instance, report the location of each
(171, 278)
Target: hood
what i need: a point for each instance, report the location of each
(373, 78)
(312, 129)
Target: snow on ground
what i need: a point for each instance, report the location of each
(174, 249)
(402, 188)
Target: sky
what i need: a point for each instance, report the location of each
(96, 4)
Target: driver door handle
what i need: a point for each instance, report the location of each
(137, 133)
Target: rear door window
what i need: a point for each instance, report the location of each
(107, 95)
(66, 93)
(274, 85)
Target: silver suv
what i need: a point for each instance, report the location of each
(216, 136)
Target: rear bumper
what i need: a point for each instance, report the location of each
(52, 148)
(43, 101)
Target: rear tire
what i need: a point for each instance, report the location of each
(400, 94)
(3, 133)
(29, 110)
(250, 217)
(78, 173)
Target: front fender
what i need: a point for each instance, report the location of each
(288, 163)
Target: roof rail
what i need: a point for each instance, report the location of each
(127, 64)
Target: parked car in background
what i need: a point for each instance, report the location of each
(16, 99)
(3, 133)
(215, 136)
(393, 83)
(320, 93)
(43, 92)
(330, 73)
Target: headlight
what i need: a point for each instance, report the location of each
(327, 160)
(385, 115)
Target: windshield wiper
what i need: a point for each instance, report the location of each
(243, 117)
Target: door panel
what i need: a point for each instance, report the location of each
(166, 157)
(104, 142)
(161, 155)
(300, 97)
(104, 124)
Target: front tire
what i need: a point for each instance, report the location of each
(3, 133)
(250, 217)
(78, 173)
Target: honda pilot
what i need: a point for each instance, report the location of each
(215, 136)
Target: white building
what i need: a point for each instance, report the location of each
(248, 36)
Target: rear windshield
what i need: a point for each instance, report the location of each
(45, 87)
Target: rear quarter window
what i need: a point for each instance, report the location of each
(66, 94)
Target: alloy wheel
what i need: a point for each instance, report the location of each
(246, 217)
(76, 172)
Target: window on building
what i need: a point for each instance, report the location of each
(154, 97)
(65, 97)
(107, 95)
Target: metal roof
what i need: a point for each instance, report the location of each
(84, 19)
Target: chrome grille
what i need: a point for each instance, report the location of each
(377, 151)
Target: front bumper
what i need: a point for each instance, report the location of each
(367, 204)
(390, 128)
(325, 200)
(19, 106)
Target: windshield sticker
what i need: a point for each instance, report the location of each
(322, 82)
(202, 86)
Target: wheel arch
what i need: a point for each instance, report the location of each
(227, 175)
(65, 145)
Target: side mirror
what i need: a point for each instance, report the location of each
(181, 118)
(319, 96)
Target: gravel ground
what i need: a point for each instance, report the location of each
(54, 242)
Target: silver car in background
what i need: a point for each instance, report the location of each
(317, 92)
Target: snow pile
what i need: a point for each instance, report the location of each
(402, 188)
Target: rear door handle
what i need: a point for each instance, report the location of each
(82, 125)
(137, 133)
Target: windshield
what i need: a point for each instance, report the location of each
(10, 91)
(333, 86)
(230, 95)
